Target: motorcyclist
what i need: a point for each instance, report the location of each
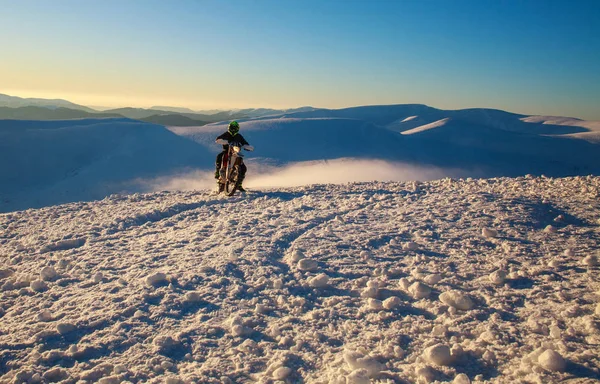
(232, 136)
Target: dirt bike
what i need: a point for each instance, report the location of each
(230, 166)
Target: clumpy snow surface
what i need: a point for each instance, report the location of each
(464, 281)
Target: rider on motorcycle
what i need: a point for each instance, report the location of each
(233, 137)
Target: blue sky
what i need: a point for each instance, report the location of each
(535, 57)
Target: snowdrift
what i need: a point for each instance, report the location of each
(491, 280)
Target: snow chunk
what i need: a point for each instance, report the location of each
(410, 246)
(457, 299)
(438, 354)
(156, 279)
(114, 379)
(374, 304)
(590, 260)
(404, 283)
(6, 272)
(296, 255)
(550, 229)
(248, 346)
(319, 281)
(498, 277)
(98, 277)
(391, 302)
(64, 245)
(260, 308)
(281, 373)
(48, 273)
(278, 283)
(489, 232)
(56, 374)
(358, 376)
(45, 315)
(425, 374)
(433, 279)
(370, 291)
(554, 331)
(307, 265)
(165, 343)
(461, 378)
(65, 328)
(192, 297)
(552, 361)
(419, 290)
(38, 286)
(238, 330)
(357, 360)
(139, 314)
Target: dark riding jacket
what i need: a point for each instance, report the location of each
(232, 139)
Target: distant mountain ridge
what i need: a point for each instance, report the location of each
(12, 107)
(174, 109)
(44, 113)
(16, 102)
(43, 109)
(401, 118)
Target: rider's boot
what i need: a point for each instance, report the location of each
(239, 184)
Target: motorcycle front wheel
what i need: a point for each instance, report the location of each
(231, 182)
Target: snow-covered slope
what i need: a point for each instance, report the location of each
(292, 139)
(489, 280)
(475, 149)
(48, 162)
(590, 131)
(406, 117)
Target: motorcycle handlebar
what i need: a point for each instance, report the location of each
(225, 142)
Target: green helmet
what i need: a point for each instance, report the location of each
(234, 128)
